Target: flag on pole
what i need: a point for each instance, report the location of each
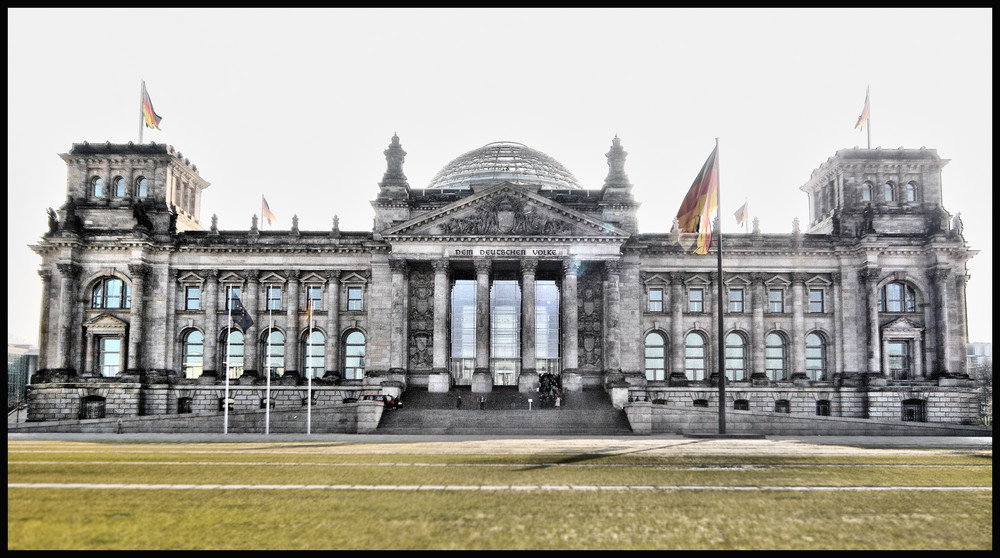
(695, 213)
(265, 211)
(240, 314)
(148, 114)
(863, 119)
(741, 214)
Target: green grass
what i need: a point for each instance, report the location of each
(60, 518)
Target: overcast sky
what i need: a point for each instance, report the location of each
(298, 105)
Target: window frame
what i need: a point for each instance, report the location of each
(268, 356)
(188, 299)
(119, 189)
(814, 372)
(741, 372)
(100, 294)
(775, 374)
(693, 372)
(305, 353)
(142, 187)
(654, 304)
(696, 305)
(355, 304)
(191, 361)
(741, 301)
(354, 369)
(97, 187)
(813, 302)
(271, 302)
(317, 300)
(771, 302)
(102, 353)
(655, 373)
(230, 289)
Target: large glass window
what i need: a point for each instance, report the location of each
(505, 332)
(547, 327)
(899, 360)
(193, 351)
(463, 331)
(897, 297)
(313, 353)
(815, 356)
(110, 355)
(354, 356)
(694, 356)
(775, 357)
(354, 298)
(234, 349)
(736, 301)
(655, 357)
(274, 353)
(736, 357)
(111, 293)
(655, 300)
(696, 300)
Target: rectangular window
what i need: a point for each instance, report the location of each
(354, 298)
(656, 300)
(776, 301)
(110, 355)
(232, 293)
(273, 298)
(192, 298)
(315, 295)
(696, 300)
(816, 301)
(736, 301)
(899, 360)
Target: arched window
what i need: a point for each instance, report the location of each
(911, 192)
(866, 192)
(234, 350)
(897, 297)
(97, 187)
(890, 191)
(815, 356)
(313, 353)
(775, 357)
(354, 356)
(694, 356)
(111, 293)
(274, 353)
(736, 357)
(192, 353)
(118, 187)
(655, 356)
(141, 187)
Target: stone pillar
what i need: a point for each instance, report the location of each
(43, 320)
(482, 381)
(292, 323)
(397, 332)
(332, 363)
(528, 379)
(251, 337)
(440, 341)
(570, 335)
(613, 361)
(677, 375)
(939, 278)
(869, 280)
(798, 341)
(134, 360)
(837, 343)
(67, 289)
(712, 351)
(211, 308)
(758, 300)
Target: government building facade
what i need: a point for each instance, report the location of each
(503, 273)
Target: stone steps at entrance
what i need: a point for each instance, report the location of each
(505, 411)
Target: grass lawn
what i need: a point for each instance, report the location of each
(522, 517)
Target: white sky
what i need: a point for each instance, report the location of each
(298, 105)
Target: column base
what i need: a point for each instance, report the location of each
(482, 381)
(527, 381)
(439, 382)
(571, 380)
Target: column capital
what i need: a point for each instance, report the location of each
(253, 275)
(613, 266)
(939, 274)
(138, 269)
(333, 275)
(799, 278)
(440, 264)
(529, 265)
(482, 265)
(68, 270)
(45, 274)
(870, 274)
(836, 277)
(757, 279)
(212, 274)
(397, 265)
(571, 266)
(293, 275)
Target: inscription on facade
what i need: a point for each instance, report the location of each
(509, 252)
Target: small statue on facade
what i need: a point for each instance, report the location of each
(53, 221)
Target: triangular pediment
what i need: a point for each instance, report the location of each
(900, 325)
(504, 210)
(105, 324)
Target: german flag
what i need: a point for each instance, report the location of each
(865, 113)
(695, 214)
(265, 211)
(148, 114)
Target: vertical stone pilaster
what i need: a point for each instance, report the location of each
(292, 323)
(939, 278)
(613, 331)
(838, 328)
(528, 355)
(332, 363)
(134, 360)
(67, 290)
(869, 280)
(798, 341)
(211, 309)
(43, 320)
(758, 300)
(439, 357)
(571, 358)
(482, 316)
(251, 338)
(677, 327)
(397, 332)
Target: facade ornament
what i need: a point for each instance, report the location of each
(616, 166)
(212, 274)
(836, 277)
(53, 221)
(253, 225)
(795, 226)
(68, 270)
(138, 269)
(253, 274)
(956, 227)
(755, 233)
(394, 157)
(440, 264)
(335, 232)
(295, 224)
(333, 275)
(529, 265)
(506, 214)
(397, 265)
(482, 265)
(215, 224)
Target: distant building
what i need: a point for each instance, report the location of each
(503, 270)
(22, 362)
(979, 355)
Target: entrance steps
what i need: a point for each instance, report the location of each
(505, 412)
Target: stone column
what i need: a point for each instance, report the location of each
(613, 361)
(677, 375)
(869, 280)
(482, 381)
(758, 300)
(440, 342)
(292, 324)
(571, 337)
(67, 289)
(397, 332)
(43, 320)
(798, 341)
(939, 278)
(134, 360)
(333, 324)
(528, 379)
(210, 361)
(251, 337)
(712, 351)
(837, 343)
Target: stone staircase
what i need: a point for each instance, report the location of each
(505, 412)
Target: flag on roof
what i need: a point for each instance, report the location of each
(265, 211)
(863, 119)
(695, 213)
(741, 214)
(148, 114)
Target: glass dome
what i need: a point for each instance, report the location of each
(504, 161)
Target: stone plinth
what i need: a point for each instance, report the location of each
(482, 382)
(527, 382)
(572, 381)
(439, 383)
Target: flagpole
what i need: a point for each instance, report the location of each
(722, 341)
(270, 329)
(229, 333)
(308, 371)
(869, 120)
(141, 116)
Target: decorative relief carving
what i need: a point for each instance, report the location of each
(507, 214)
(421, 318)
(590, 319)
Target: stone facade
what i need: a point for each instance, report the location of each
(865, 310)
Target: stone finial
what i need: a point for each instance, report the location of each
(616, 164)
(215, 224)
(795, 226)
(253, 225)
(295, 224)
(756, 227)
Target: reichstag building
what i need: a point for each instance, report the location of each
(502, 273)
